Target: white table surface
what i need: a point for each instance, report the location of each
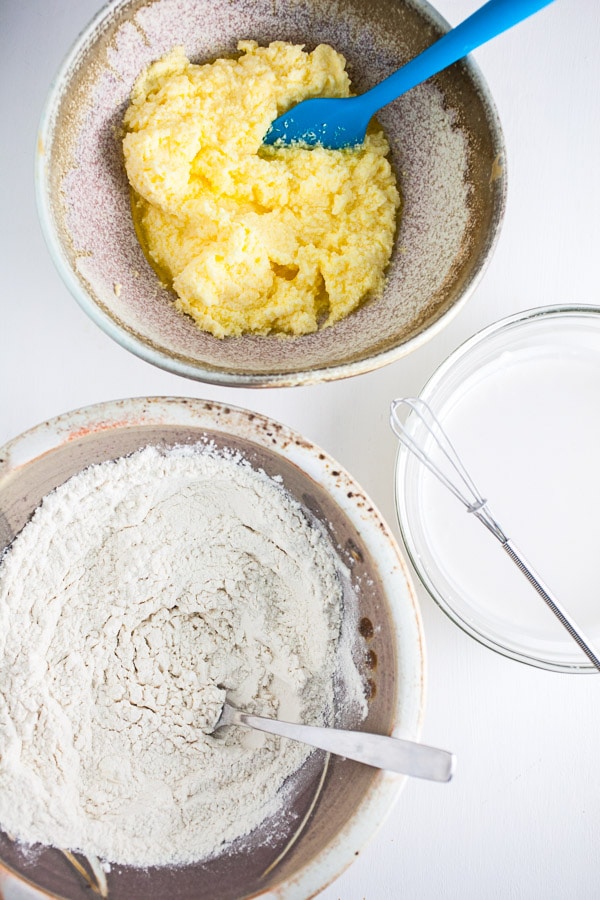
(522, 817)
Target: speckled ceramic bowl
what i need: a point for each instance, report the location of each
(447, 150)
(352, 800)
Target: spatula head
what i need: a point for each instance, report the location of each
(332, 123)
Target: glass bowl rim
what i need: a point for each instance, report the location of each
(504, 325)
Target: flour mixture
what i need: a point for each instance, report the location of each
(140, 591)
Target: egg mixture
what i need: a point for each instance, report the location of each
(256, 239)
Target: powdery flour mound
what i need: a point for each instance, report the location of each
(141, 591)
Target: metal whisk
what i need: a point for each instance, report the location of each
(459, 482)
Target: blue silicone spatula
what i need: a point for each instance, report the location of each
(342, 122)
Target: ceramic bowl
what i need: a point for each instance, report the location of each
(446, 148)
(353, 799)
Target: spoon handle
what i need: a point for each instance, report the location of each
(486, 23)
(394, 754)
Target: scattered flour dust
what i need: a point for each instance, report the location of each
(141, 589)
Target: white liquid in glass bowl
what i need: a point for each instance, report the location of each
(521, 404)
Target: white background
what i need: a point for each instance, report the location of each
(522, 817)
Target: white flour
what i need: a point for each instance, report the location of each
(140, 589)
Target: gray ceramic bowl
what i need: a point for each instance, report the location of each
(447, 150)
(354, 799)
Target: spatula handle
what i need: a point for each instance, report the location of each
(486, 23)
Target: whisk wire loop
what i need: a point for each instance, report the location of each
(456, 479)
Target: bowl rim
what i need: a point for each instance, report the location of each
(317, 464)
(427, 394)
(153, 354)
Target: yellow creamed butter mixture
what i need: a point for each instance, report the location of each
(256, 239)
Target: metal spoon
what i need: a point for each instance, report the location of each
(406, 757)
(342, 122)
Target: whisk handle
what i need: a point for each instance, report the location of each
(544, 592)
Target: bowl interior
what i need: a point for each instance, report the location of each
(446, 149)
(240, 872)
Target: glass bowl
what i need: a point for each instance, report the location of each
(519, 402)
(446, 147)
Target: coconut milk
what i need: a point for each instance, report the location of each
(527, 427)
